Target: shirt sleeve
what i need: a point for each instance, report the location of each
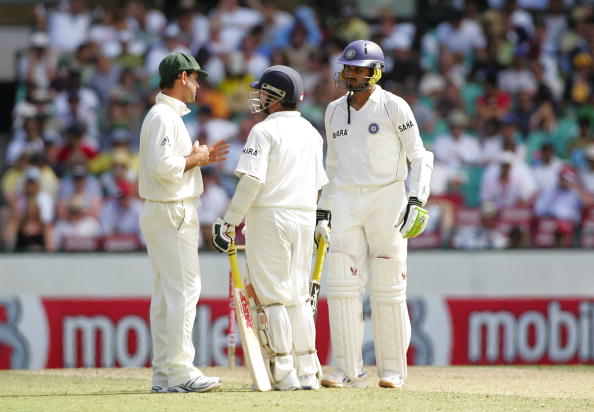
(327, 196)
(255, 154)
(164, 164)
(408, 130)
(421, 160)
(321, 177)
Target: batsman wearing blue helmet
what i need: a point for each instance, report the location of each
(371, 133)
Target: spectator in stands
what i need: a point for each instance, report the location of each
(119, 142)
(457, 149)
(585, 138)
(28, 140)
(141, 19)
(105, 79)
(194, 28)
(546, 168)
(564, 203)
(29, 227)
(494, 103)
(68, 25)
(171, 43)
(507, 139)
(352, 27)
(586, 172)
(14, 177)
(234, 21)
(483, 236)
(37, 103)
(120, 213)
(38, 66)
(84, 187)
(76, 149)
(580, 85)
(123, 170)
(78, 103)
(461, 34)
(76, 230)
(508, 182)
(274, 22)
(518, 76)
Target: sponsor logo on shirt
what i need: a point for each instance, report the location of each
(340, 132)
(164, 141)
(250, 151)
(373, 128)
(405, 126)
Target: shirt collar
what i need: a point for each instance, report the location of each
(284, 113)
(375, 95)
(177, 105)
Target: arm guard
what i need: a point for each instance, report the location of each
(420, 176)
(245, 193)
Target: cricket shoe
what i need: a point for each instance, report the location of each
(288, 383)
(339, 380)
(309, 382)
(197, 384)
(390, 379)
(159, 389)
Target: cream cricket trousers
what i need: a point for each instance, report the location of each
(171, 231)
(279, 245)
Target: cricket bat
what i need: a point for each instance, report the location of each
(314, 290)
(249, 340)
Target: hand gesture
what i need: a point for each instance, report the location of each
(217, 152)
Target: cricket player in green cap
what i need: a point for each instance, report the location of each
(170, 183)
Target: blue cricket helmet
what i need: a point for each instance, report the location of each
(362, 53)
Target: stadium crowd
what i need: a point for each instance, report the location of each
(503, 95)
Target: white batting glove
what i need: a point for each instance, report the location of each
(323, 218)
(220, 235)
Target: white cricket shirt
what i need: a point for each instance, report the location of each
(285, 153)
(164, 143)
(372, 149)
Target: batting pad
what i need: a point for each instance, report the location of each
(391, 323)
(346, 313)
(304, 339)
(274, 331)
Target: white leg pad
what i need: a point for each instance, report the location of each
(274, 331)
(304, 340)
(346, 313)
(389, 313)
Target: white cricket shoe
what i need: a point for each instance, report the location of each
(339, 380)
(309, 382)
(390, 379)
(159, 389)
(288, 383)
(197, 384)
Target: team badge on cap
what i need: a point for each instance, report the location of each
(373, 128)
(350, 53)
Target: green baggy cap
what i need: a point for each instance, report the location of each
(178, 62)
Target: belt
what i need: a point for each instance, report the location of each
(359, 189)
(192, 199)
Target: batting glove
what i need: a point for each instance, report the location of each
(220, 235)
(323, 218)
(415, 219)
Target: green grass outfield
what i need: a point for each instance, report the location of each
(508, 388)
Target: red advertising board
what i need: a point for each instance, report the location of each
(115, 332)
